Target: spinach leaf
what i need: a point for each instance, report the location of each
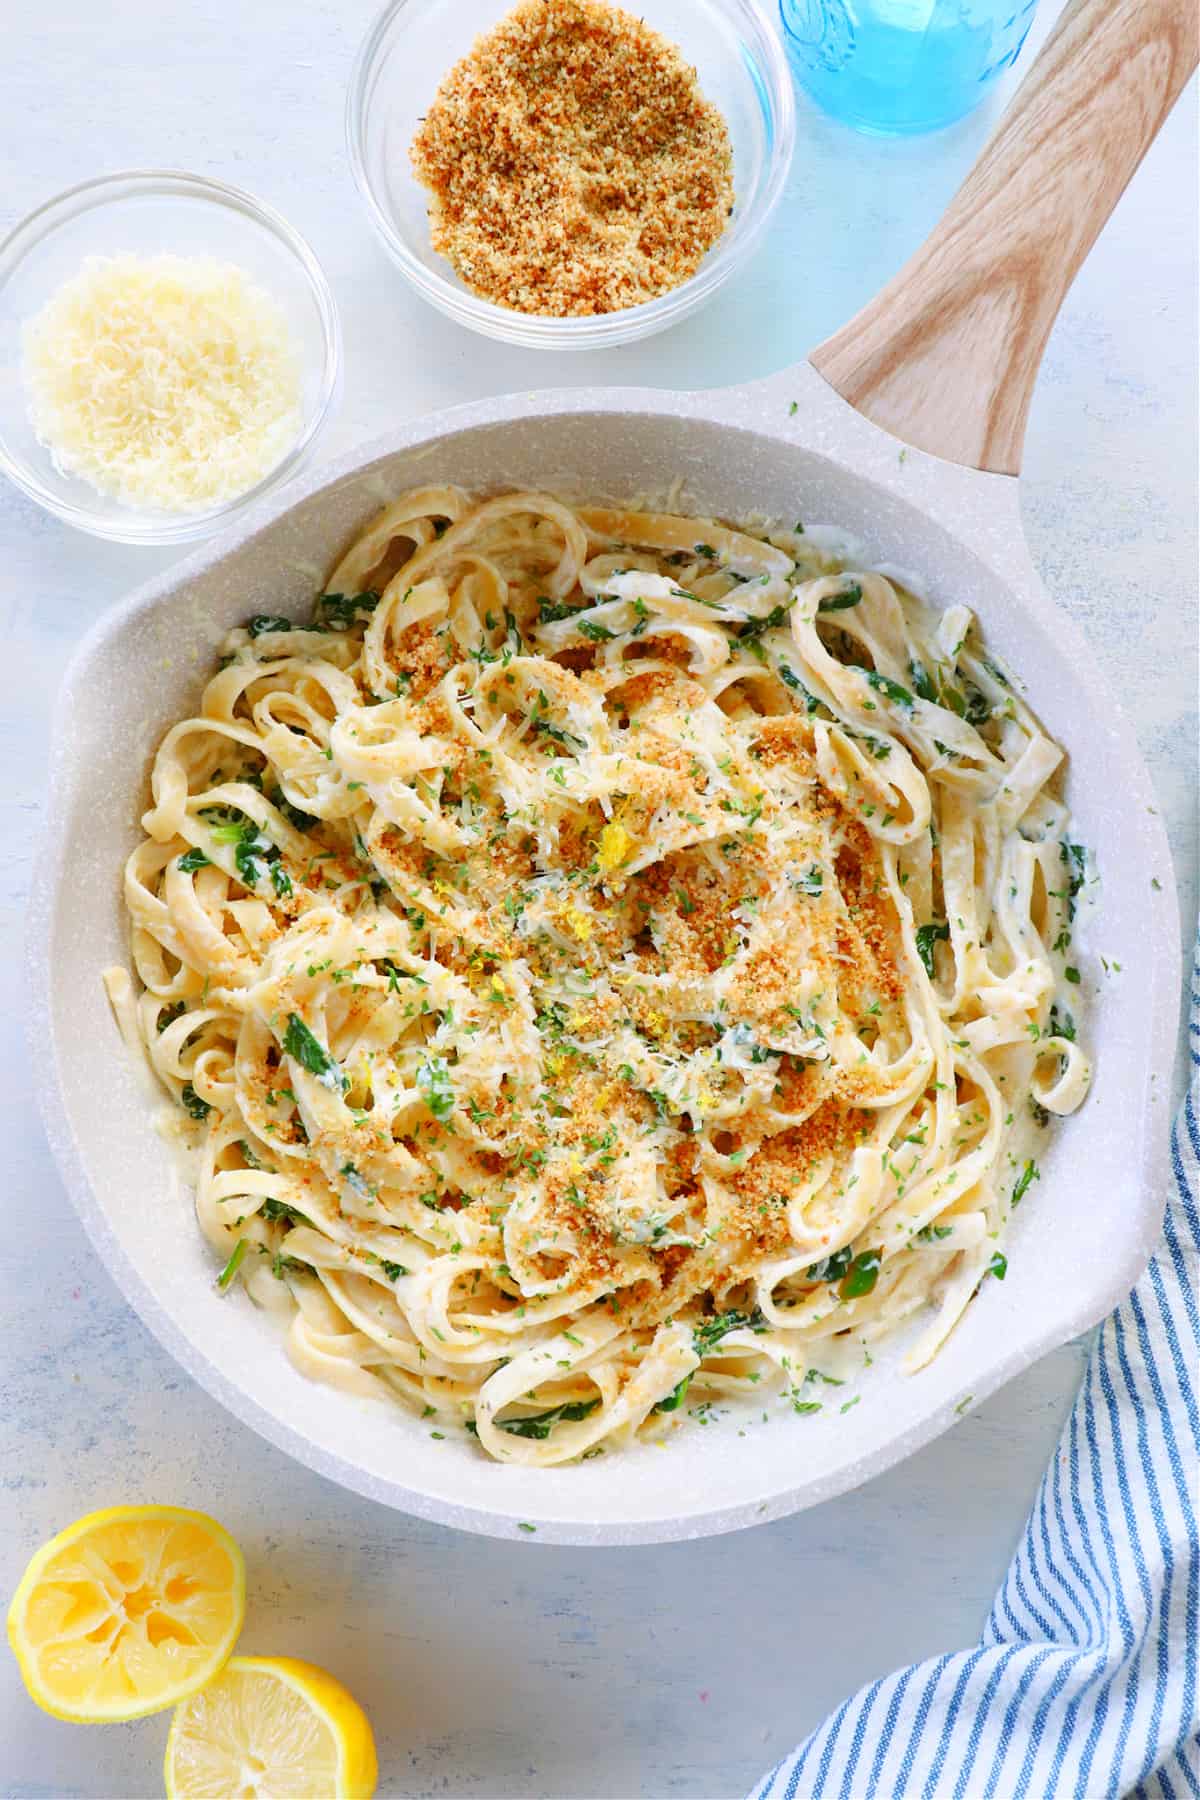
(892, 690)
(198, 1108)
(340, 611)
(551, 611)
(831, 1268)
(708, 1334)
(861, 1276)
(308, 1050)
(675, 1398)
(301, 820)
(754, 628)
(250, 855)
(434, 1077)
(279, 1210)
(540, 1425)
(262, 622)
(938, 932)
(920, 680)
(790, 679)
(979, 707)
(850, 596)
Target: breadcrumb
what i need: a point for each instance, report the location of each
(574, 167)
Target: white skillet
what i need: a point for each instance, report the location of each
(905, 429)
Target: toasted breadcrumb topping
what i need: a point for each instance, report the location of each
(574, 167)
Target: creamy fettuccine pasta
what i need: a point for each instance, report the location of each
(613, 962)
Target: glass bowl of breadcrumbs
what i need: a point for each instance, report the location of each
(568, 174)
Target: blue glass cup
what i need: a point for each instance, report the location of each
(897, 67)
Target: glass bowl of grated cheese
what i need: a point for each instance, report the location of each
(739, 64)
(172, 352)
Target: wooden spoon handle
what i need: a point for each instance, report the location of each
(945, 357)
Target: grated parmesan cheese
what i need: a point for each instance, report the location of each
(168, 382)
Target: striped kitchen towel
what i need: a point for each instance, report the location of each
(1084, 1683)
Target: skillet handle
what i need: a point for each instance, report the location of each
(945, 357)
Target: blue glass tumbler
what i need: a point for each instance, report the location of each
(902, 66)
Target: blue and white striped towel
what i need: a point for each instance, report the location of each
(1084, 1683)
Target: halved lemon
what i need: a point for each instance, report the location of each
(270, 1726)
(126, 1612)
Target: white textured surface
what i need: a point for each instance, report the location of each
(521, 1669)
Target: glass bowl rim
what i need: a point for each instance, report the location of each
(100, 190)
(773, 86)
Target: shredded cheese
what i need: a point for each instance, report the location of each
(168, 382)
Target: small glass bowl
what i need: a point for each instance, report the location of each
(149, 211)
(742, 68)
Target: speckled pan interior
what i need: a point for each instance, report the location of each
(1079, 1241)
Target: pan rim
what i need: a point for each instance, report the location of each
(1163, 964)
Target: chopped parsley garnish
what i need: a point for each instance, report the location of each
(191, 860)
(922, 685)
(599, 634)
(1062, 1025)
(396, 975)
(1029, 1174)
(198, 1108)
(1075, 858)
(998, 1265)
(262, 622)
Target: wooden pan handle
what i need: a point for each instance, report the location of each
(946, 355)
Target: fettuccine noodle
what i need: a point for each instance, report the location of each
(613, 960)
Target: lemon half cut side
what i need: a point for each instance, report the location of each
(271, 1728)
(127, 1611)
